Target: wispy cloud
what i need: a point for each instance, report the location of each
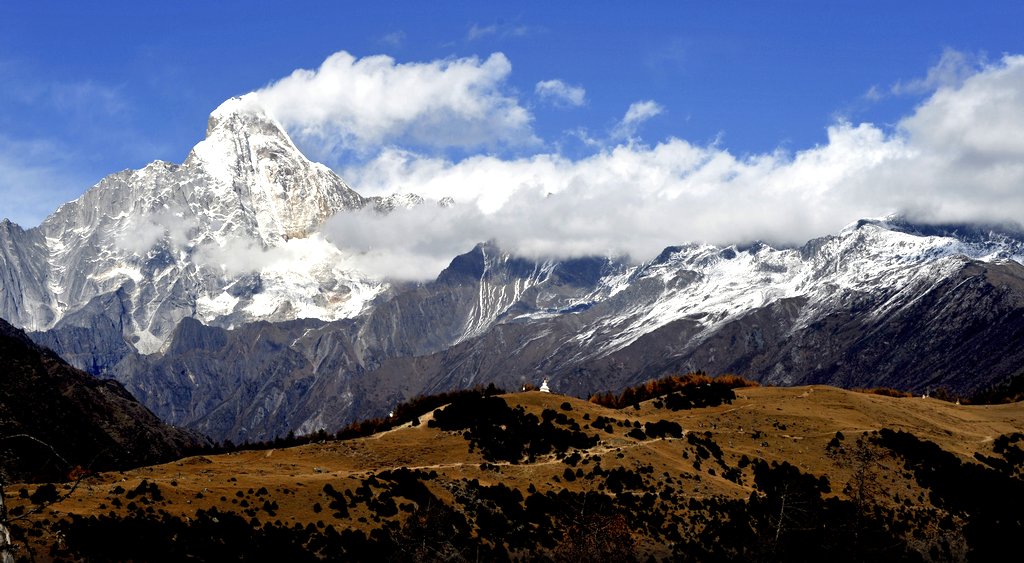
(873, 94)
(952, 69)
(502, 30)
(144, 231)
(76, 99)
(476, 31)
(87, 96)
(637, 113)
(394, 39)
(34, 176)
(561, 94)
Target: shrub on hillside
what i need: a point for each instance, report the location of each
(504, 433)
(1009, 391)
(692, 390)
(412, 410)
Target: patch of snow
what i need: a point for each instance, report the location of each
(210, 308)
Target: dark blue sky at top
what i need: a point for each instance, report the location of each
(91, 89)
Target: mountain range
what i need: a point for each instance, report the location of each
(209, 290)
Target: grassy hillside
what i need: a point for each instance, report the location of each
(770, 474)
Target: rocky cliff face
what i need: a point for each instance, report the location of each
(24, 295)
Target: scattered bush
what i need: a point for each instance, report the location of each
(1009, 391)
(689, 391)
(504, 433)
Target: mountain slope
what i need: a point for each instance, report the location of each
(961, 334)
(87, 421)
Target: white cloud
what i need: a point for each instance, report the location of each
(144, 231)
(959, 157)
(968, 163)
(631, 200)
(393, 39)
(361, 104)
(952, 69)
(637, 113)
(476, 31)
(237, 256)
(408, 244)
(560, 93)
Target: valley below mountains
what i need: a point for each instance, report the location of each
(209, 291)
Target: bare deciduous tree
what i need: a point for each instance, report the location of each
(7, 547)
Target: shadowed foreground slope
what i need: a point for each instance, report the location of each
(89, 422)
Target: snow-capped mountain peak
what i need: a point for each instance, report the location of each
(227, 236)
(241, 112)
(250, 160)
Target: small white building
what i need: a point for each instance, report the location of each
(544, 387)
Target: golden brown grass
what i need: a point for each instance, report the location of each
(884, 391)
(773, 424)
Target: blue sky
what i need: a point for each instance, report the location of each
(90, 90)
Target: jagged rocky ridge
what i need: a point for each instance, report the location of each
(250, 351)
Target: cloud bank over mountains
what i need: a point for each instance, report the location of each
(958, 157)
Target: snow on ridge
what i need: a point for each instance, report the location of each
(713, 285)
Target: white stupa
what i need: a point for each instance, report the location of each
(544, 387)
